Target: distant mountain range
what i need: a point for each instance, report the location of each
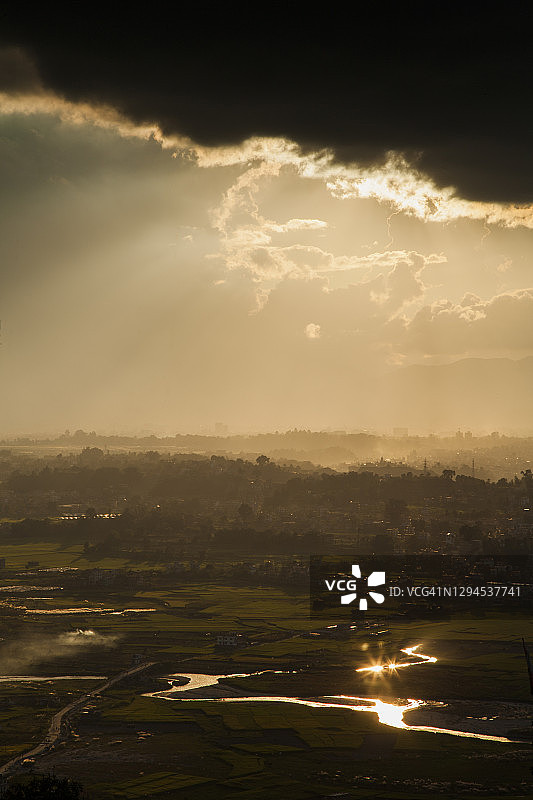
(476, 393)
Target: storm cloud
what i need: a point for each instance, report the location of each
(446, 85)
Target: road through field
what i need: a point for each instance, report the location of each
(54, 731)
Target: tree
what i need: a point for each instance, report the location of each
(45, 787)
(527, 479)
(245, 512)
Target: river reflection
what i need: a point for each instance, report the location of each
(49, 679)
(394, 665)
(198, 680)
(78, 610)
(390, 714)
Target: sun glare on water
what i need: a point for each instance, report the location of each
(379, 669)
(390, 714)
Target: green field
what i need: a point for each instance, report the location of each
(219, 750)
(149, 747)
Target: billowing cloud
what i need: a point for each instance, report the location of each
(312, 331)
(499, 325)
(357, 311)
(404, 282)
(30, 102)
(410, 191)
(394, 180)
(298, 225)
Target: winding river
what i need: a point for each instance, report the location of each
(389, 714)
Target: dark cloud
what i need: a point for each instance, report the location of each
(17, 71)
(449, 84)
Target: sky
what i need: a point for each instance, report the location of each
(305, 223)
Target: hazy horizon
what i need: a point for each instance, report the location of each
(214, 431)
